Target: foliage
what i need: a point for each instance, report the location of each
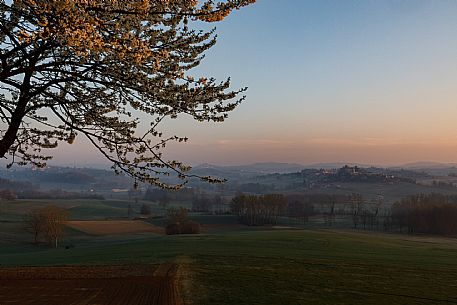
(110, 71)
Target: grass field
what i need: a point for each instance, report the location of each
(234, 264)
(281, 266)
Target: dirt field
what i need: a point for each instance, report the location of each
(111, 285)
(111, 227)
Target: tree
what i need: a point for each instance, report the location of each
(93, 68)
(164, 201)
(129, 210)
(145, 209)
(54, 219)
(34, 223)
(179, 223)
(48, 222)
(329, 214)
(300, 206)
(357, 207)
(258, 210)
(7, 195)
(431, 213)
(177, 216)
(202, 203)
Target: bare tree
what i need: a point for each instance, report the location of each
(34, 223)
(258, 210)
(177, 215)
(54, 219)
(357, 208)
(145, 209)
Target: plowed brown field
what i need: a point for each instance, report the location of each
(111, 227)
(111, 285)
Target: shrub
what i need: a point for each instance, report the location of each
(190, 227)
(172, 229)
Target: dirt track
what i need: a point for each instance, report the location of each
(114, 227)
(110, 285)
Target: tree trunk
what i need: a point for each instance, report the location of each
(16, 118)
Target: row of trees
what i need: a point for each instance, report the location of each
(203, 202)
(265, 209)
(256, 210)
(300, 207)
(158, 195)
(362, 213)
(47, 223)
(433, 213)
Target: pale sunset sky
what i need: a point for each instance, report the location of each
(372, 81)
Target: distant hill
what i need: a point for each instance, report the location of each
(66, 178)
(428, 164)
(333, 165)
(393, 182)
(248, 169)
(430, 167)
(271, 167)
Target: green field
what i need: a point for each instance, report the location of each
(281, 266)
(243, 265)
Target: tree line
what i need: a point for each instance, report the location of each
(432, 213)
(257, 210)
(423, 213)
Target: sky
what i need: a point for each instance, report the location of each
(329, 81)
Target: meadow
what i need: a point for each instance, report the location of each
(235, 264)
(279, 266)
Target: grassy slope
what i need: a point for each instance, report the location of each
(79, 209)
(93, 211)
(284, 267)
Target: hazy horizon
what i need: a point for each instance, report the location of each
(106, 164)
